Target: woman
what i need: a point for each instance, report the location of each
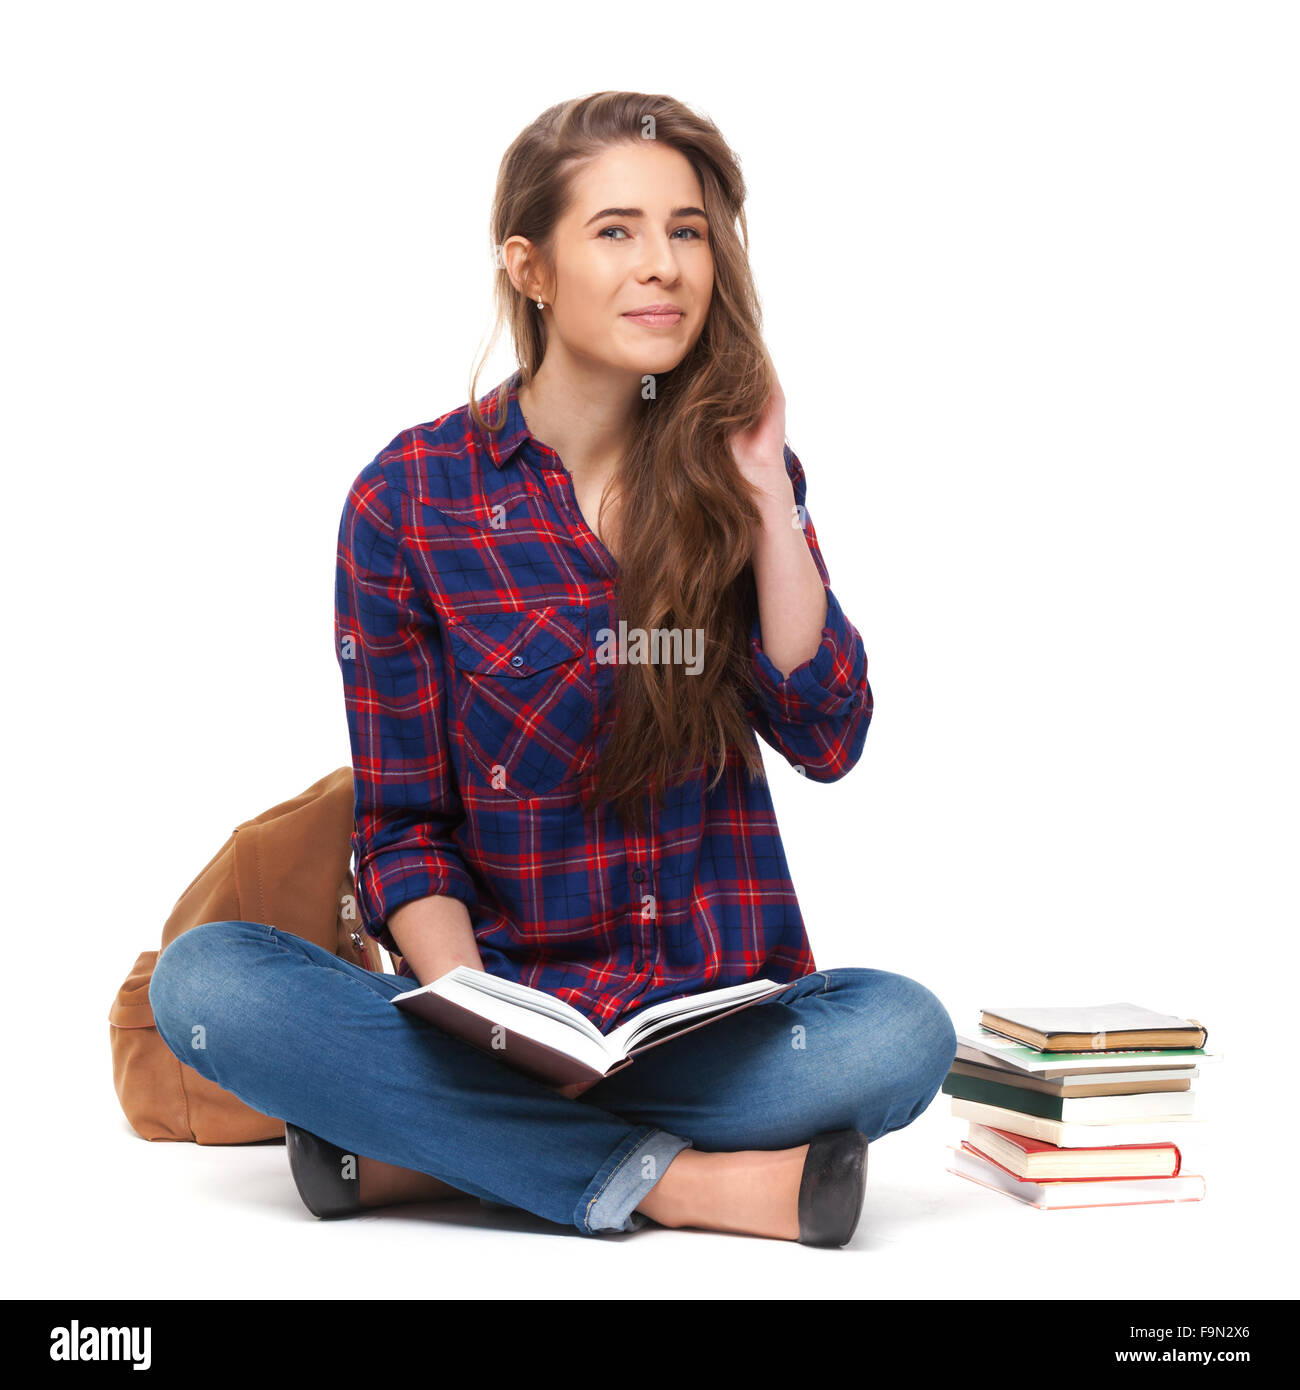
(561, 621)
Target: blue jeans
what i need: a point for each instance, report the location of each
(301, 1035)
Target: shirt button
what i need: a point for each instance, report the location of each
(638, 875)
(638, 966)
(516, 661)
(857, 697)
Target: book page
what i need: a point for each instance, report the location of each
(537, 1000)
(673, 1014)
(1094, 1018)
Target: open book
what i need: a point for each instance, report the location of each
(541, 1035)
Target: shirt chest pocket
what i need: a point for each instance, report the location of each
(524, 698)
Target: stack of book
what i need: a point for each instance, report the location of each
(1078, 1107)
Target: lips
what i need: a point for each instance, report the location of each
(656, 315)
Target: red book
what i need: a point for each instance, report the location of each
(1035, 1160)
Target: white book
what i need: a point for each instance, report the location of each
(1071, 1135)
(1062, 1196)
(1093, 1110)
(539, 1034)
(1167, 1074)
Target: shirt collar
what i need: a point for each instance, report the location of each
(502, 445)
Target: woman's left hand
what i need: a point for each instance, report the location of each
(575, 1088)
(760, 452)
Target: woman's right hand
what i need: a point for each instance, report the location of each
(435, 935)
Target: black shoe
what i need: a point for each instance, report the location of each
(317, 1168)
(830, 1194)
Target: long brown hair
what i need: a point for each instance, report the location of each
(687, 517)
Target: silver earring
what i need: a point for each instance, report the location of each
(540, 305)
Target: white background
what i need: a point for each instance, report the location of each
(1029, 279)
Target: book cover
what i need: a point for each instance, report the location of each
(1093, 1027)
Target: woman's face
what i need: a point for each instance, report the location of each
(652, 249)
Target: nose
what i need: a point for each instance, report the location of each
(658, 260)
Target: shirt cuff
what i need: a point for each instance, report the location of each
(387, 880)
(828, 683)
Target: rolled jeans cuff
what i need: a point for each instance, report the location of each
(624, 1178)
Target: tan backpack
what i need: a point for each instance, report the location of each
(290, 867)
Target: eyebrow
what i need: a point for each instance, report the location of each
(638, 212)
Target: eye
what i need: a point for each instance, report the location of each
(694, 233)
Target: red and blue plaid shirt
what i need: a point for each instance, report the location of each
(469, 600)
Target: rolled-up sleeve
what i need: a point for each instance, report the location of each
(817, 716)
(390, 650)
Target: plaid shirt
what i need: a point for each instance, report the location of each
(469, 604)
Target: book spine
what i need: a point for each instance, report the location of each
(1008, 1097)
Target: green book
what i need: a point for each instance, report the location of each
(1008, 1097)
(1098, 1110)
(1031, 1060)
